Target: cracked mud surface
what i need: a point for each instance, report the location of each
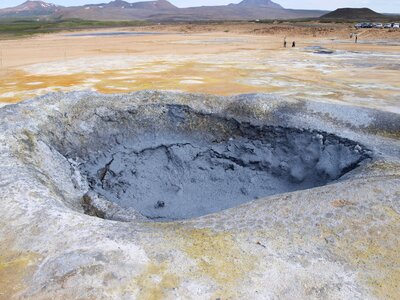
(183, 172)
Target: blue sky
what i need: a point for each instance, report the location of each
(389, 6)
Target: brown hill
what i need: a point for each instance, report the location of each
(149, 5)
(154, 5)
(354, 14)
(118, 4)
(259, 3)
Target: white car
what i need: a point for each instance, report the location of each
(387, 25)
(396, 25)
(378, 25)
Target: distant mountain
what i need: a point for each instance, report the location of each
(160, 10)
(354, 14)
(119, 10)
(259, 3)
(29, 9)
(118, 4)
(149, 5)
(154, 5)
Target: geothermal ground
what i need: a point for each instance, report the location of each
(268, 173)
(223, 59)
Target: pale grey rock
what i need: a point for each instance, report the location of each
(333, 241)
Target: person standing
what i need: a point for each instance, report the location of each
(284, 42)
(356, 39)
(293, 44)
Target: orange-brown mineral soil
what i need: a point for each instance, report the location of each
(221, 59)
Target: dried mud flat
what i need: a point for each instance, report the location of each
(291, 193)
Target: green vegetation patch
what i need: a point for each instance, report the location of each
(24, 27)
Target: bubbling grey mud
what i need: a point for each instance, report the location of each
(170, 162)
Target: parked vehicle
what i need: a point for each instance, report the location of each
(372, 25)
(363, 25)
(396, 25)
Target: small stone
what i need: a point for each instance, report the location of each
(159, 204)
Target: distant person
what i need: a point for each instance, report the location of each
(293, 44)
(356, 40)
(284, 42)
(351, 35)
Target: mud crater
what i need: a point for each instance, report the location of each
(169, 162)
